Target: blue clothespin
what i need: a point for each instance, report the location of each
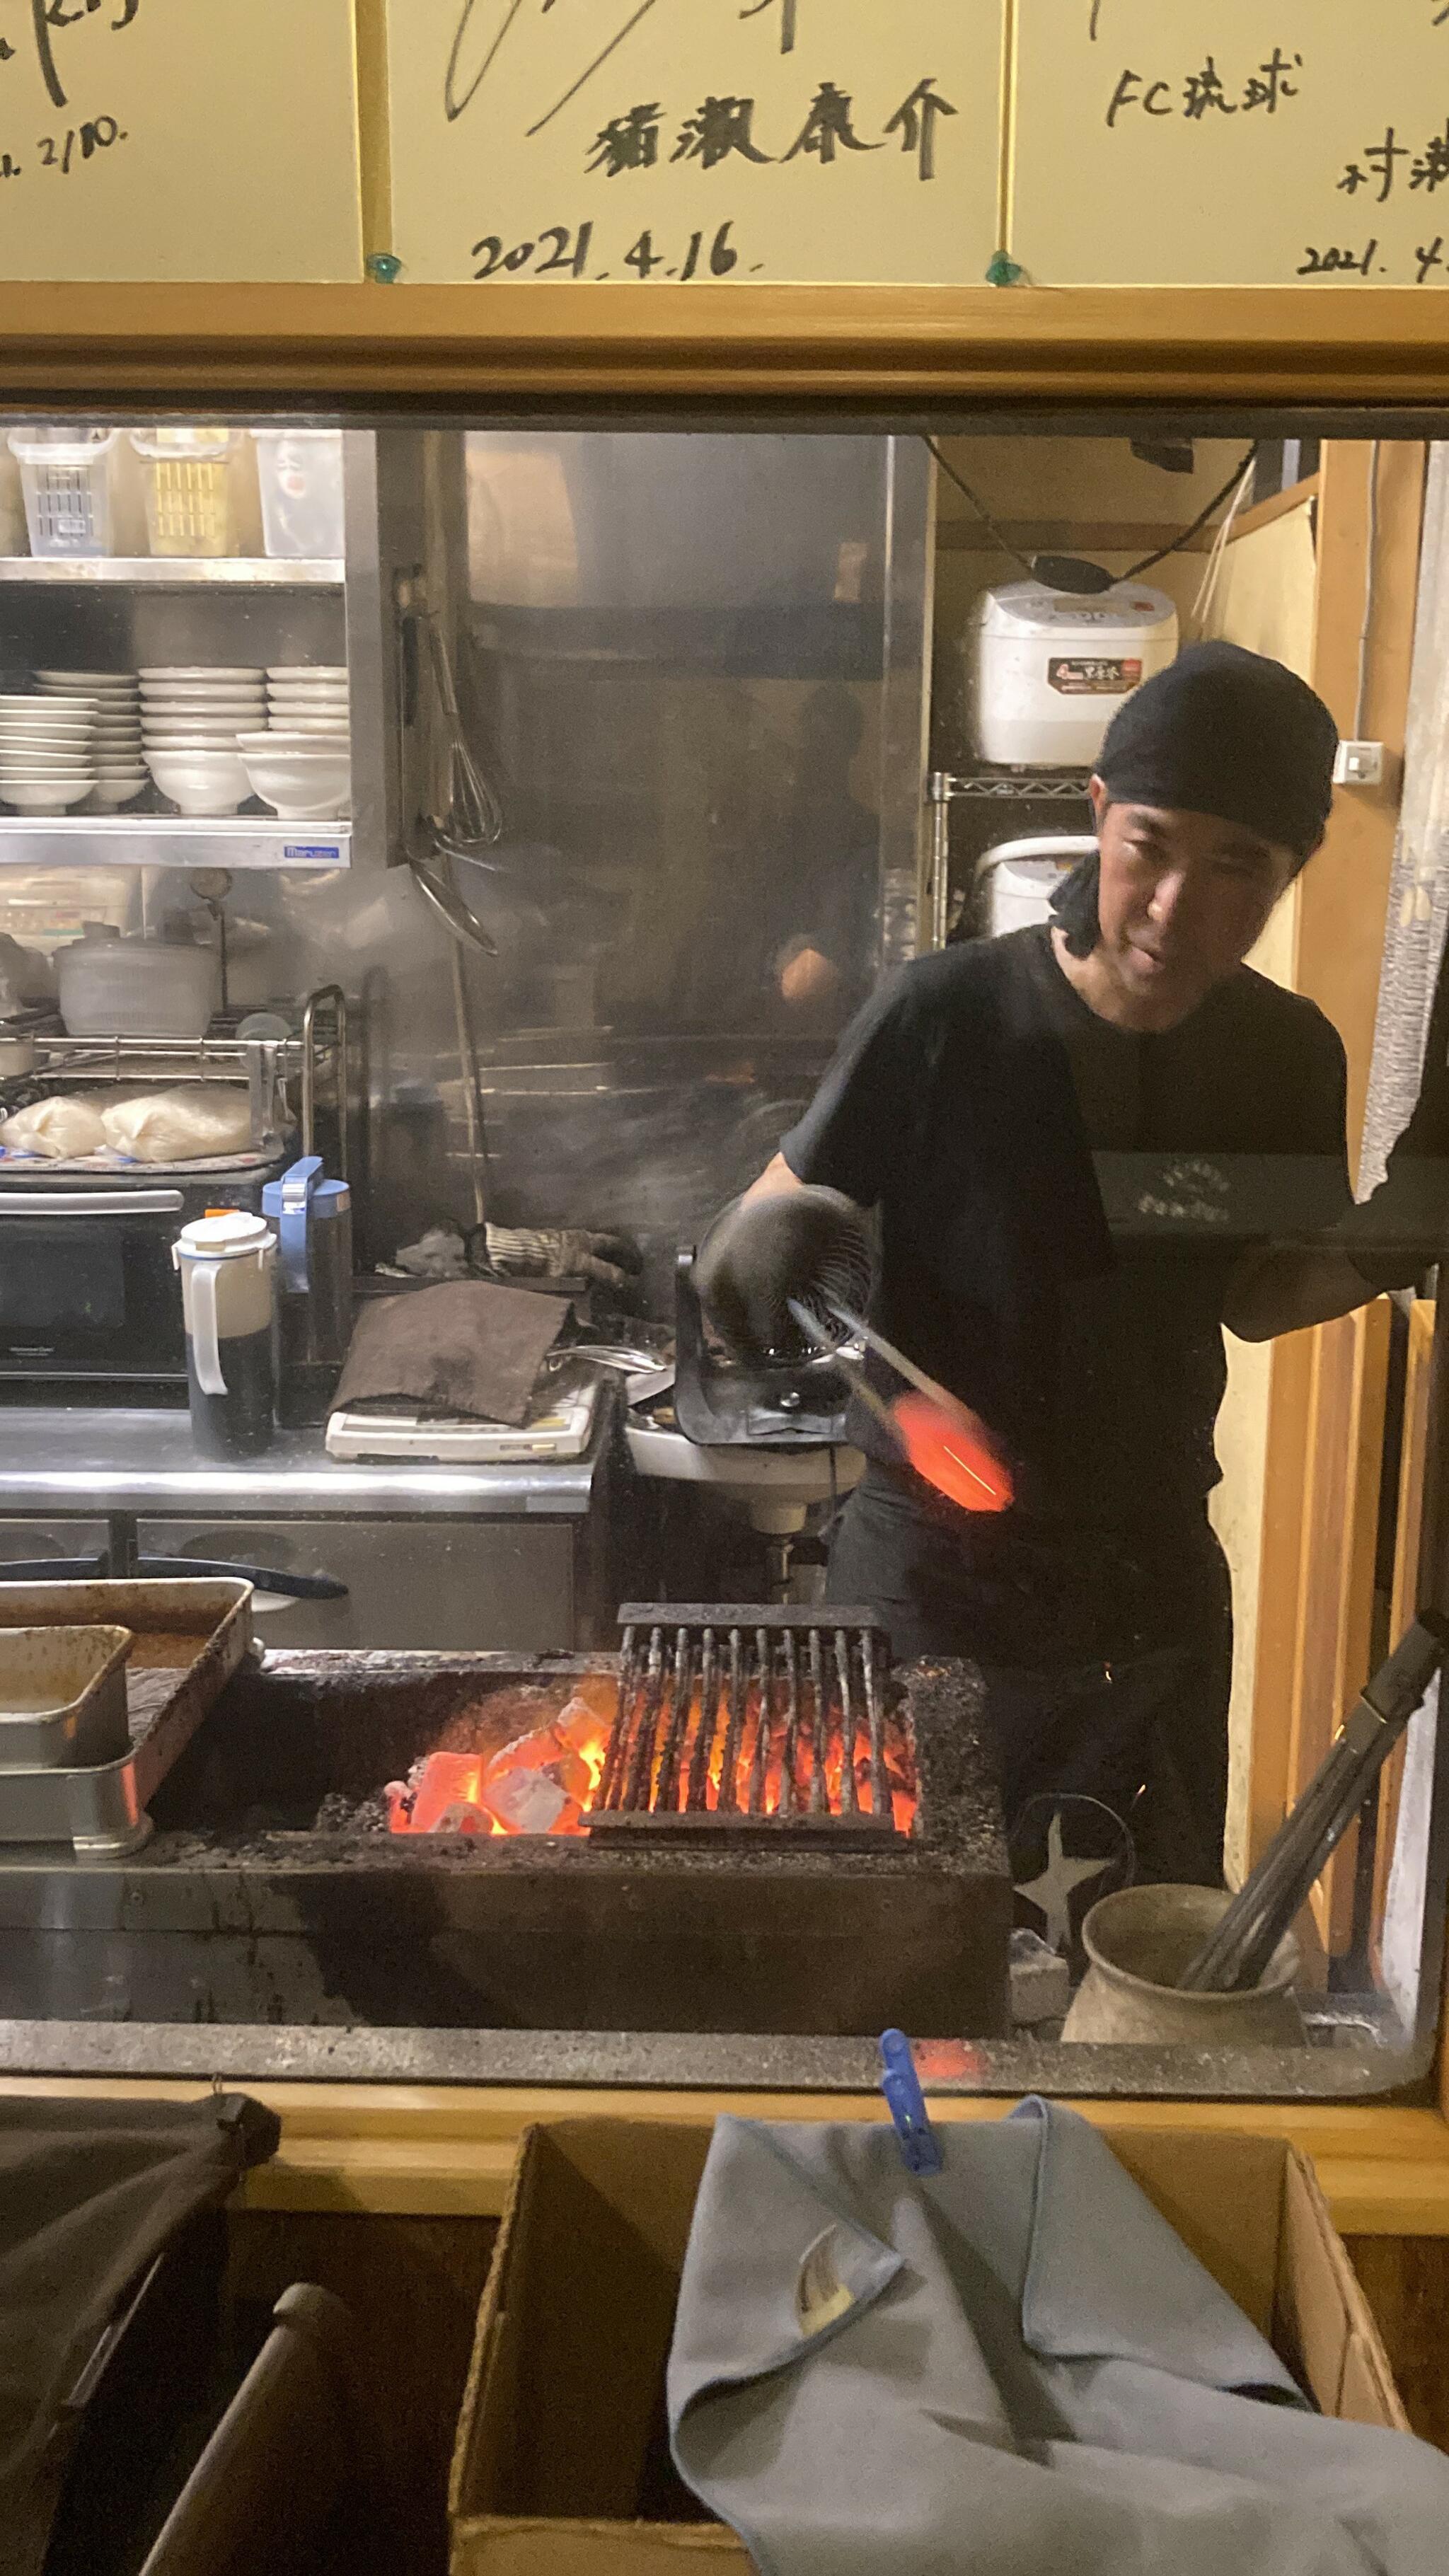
(901, 2085)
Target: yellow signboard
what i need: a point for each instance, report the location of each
(1231, 142)
(179, 139)
(694, 140)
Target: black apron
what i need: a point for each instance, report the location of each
(1107, 1655)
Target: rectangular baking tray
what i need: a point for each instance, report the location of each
(189, 1639)
(62, 1696)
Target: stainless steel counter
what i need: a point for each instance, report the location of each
(70, 1459)
(528, 1557)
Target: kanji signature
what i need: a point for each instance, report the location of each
(486, 24)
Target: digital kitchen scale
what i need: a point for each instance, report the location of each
(562, 1432)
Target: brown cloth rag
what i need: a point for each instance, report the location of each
(90, 2194)
(467, 1348)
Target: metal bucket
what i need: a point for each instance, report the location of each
(1138, 1943)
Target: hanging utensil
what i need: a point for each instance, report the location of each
(1236, 1956)
(470, 822)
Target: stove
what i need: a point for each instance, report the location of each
(747, 1821)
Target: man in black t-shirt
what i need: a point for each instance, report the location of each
(963, 1107)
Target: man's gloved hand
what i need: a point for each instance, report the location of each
(552, 1252)
(762, 1252)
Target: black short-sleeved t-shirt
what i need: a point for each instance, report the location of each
(964, 1104)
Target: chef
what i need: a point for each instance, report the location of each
(963, 1108)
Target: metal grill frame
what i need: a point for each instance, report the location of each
(815, 1672)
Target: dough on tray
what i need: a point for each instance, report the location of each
(61, 1130)
(190, 1124)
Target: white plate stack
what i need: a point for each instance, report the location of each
(302, 764)
(191, 716)
(120, 770)
(47, 752)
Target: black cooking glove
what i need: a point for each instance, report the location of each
(762, 1252)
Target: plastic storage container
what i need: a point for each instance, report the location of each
(190, 491)
(67, 484)
(1046, 672)
(114, 987)
(300, 471)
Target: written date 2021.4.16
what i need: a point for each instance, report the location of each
(563, 250)
(69, 151)
(1427, 264)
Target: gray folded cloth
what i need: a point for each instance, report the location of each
(467, 1348)
(1010, 2368)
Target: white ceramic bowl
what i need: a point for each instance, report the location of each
(190, 738)
(308, 671)
(39, 738)
(200, 782)
(88, 679)
(107, 693)
(44, 796)
(112, 793)
(222, 688)
(210, 671)
(200, 698)
(12, 700)
(301, 778)
(323, 728)
(33, 728)
(47, 768)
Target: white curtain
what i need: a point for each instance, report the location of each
(1419, 888)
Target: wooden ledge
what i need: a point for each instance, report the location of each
(779, 348)
(447, 2151)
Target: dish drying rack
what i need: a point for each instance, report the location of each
(276, 1071)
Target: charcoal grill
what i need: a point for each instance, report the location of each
(272, 1890)
(745, 1723)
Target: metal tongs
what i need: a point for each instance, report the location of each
(1235, 1958)
(953, 1412)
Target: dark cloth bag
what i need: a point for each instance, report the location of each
(90, 2194)
(468, 1348)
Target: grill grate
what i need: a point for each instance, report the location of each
(776, 1716)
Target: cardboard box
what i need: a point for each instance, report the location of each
(561, 2463)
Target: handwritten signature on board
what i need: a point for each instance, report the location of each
(48, 15)
(485, 26)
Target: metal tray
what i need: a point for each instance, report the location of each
(190, 1637)
(63, 1702)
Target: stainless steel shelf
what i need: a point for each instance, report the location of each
(174, 572)
(170, 841)
(1010, 786)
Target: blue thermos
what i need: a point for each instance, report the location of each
(313, 1222)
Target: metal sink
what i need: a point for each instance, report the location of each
(764, 1476)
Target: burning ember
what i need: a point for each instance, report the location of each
(541, 1783)
(548, 1781)
(953, 1452)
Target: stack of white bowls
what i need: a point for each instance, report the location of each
(302, 764)
(191, 718)
(120, 771)
(47, 752)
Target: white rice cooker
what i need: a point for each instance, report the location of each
(1046, 672)
(1022, 876)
